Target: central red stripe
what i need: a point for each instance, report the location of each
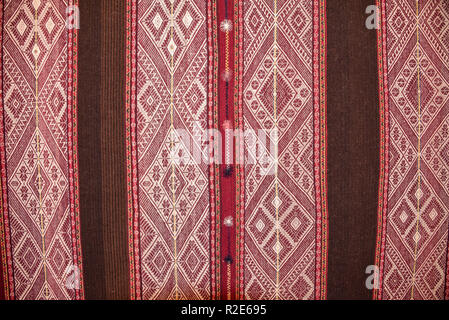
(228, 196)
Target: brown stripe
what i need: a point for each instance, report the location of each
(353, 159)
(89, 149)
(112, 108)
(101, 149)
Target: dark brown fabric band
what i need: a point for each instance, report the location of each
(102, 149)
(353, 159)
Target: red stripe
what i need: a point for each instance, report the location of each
(211, 118)
(320, 146)
(240, 169)
(7, 288)
(447, 274)
(131, 149)
(72, 134)
(228, 196)
(2, 285)
(384, 142)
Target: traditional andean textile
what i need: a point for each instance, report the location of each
(39, 225)
(412, 247)
(228, 224)
(217, 115)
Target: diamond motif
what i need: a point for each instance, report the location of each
(297, 21)
(58, 257)
(21, 27)
(193, 261)
(36, 51)
(425, 90)
(187, 19)
(41, 194)
(50, 25)
(296, 223)
(29, 257)
(403, 216)
(277, 202)
(183, 27)
(157, 21)
(418, 194)
(433, 214)
(156, 261)
(260, 225)
(416, 237)
(159, 261)
(289, 234)
(172, 47)
(277, 247)
(284, 93)
(36, 4)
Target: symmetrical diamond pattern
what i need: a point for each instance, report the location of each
(296, 198)
(35, 52)
(167, 195)
(416, 240)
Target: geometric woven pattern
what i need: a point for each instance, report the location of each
(173, 198)
(200, 230)
(416, 240)
(280, 252)
(36, 66)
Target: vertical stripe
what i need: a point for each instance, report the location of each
(383, 147)
(4, 288)
(112, 149)
(353, 148)
(101, 149)
(418, 160)
(90, 149)
(414, 231)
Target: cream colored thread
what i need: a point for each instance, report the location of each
(36, 70)
(172, 129)
(419, 151)
(276, 181)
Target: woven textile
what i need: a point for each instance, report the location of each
(173, 201)
(413, 214)
(216, 224)
(280, 261)
(184, 143)
(39, 225)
